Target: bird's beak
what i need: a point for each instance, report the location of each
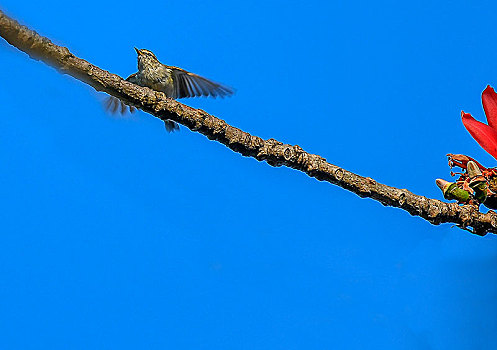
(138, 51)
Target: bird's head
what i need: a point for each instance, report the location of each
(146, 58)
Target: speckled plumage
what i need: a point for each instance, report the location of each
(172, 81)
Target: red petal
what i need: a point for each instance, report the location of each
(489, 100)
(482, 133)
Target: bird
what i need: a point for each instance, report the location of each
(173, 81)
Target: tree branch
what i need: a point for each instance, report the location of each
(275, 153)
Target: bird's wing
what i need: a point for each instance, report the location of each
(187, 84)
(132, 78)
(113, 104)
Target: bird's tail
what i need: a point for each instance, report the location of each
(171, 126)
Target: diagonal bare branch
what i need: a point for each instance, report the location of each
(275, 153)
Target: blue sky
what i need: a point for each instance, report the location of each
(117, 235)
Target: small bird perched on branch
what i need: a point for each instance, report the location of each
(173, 81)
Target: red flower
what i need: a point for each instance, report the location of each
(485, 135)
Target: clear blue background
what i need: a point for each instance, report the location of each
(117, 235)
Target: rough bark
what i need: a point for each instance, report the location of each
(275, 153)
